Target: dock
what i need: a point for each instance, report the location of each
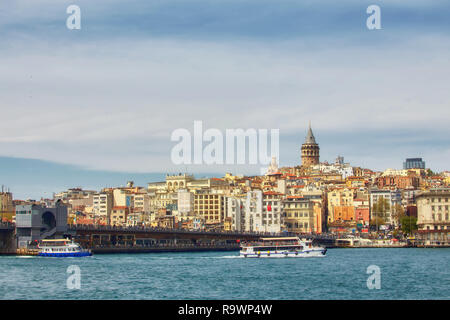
(369, 243)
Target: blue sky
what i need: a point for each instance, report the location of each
(93, 106)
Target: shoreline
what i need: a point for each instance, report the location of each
(102, 251)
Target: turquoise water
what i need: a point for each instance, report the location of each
(405, 274)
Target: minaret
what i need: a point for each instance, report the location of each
(310, 149)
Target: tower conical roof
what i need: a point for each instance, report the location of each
(310, 136)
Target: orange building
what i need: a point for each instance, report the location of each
(344, 213)
(401, 182)
(362, 215)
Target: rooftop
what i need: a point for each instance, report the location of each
(310, 136)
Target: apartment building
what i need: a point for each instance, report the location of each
(102, 206)
(119, 215)
(253, 209)
(298, 214)
(210, 206)
(185, 202)
(235, 212)
(339, 200)
(393, 198)
(433, 217)
(272, 212)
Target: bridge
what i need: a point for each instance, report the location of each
(7, 243)
(110, 239)
(7, 226)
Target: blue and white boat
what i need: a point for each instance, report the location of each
(61, 248)
(282, 247)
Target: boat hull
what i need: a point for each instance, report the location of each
(285, 254)
(65, 254)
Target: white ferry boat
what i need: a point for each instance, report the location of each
(61, 248)
(280, 248)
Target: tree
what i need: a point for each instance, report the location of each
(376, 222)
(408, 224)
(430, 173)
(397, 212)
(380, 209)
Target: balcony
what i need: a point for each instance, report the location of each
(434, 222)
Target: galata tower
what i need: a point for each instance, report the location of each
(310, 150)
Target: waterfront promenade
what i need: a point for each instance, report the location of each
(141, 239)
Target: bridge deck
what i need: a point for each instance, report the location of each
(7, 226)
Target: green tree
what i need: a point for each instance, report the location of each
(379, 212)
(408, 224)
(397, 212)
(380, 208)
(377, 222)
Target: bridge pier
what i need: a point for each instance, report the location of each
(7, 241)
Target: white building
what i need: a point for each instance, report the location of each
(256, 212)
(433, 217)
(393, 197)
(73, 193)
(344, 169)
(394, 172)
(253, 211)
(102, 205)
(185, 202)
(235, 209)
(141, 202)
(272, 212)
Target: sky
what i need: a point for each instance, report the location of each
(97, 106)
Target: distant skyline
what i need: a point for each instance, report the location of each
(100, 103)
(36, 179)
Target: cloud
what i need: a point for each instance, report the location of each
(109, 96)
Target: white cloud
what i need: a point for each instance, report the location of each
(108, 105)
